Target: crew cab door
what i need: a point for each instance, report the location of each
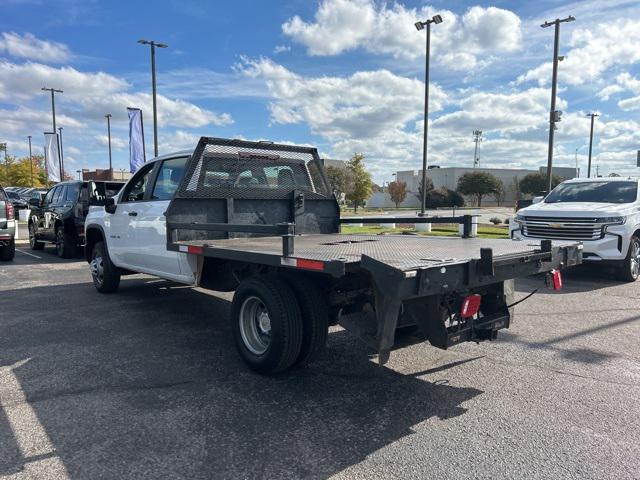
(151, 229)
(122, 241)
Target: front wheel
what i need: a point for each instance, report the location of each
(267, 326)
(629, 270)
(105, 275)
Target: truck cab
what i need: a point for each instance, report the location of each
(602, 213)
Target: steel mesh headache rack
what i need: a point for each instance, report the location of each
(262, 207)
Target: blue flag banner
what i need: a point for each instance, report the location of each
(136, 139)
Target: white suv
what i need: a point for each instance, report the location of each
(603, 213)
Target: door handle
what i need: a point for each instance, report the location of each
(133, 214)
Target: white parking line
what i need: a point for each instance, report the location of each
(27, 253)
(30, 435)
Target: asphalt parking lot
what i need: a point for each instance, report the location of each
(146, 383)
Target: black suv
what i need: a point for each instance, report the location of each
(59, 217)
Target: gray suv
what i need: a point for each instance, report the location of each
(7, 228)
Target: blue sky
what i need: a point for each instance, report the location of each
(346, 76)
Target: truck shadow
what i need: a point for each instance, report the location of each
(146, 383)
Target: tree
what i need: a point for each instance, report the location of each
(429, 187)
(339, 180)
(16, 172)
(535, 183)
(501, 193)
(478, 184)
(398, 192)
(360, 186)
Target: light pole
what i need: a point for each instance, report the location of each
(420, 26)
(108, 117)
(61, 156)
(53, 115)
(593, 116)
(153, 45)
(30, 160)
(553, 115)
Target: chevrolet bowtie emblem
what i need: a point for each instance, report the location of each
(556, 225)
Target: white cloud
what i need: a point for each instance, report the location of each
(29, 47)
(362, 105)
(281, 49)
(117, 143)
(342, 25)
(594, 52)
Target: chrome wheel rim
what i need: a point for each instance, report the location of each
(635, 259)
(97, 269)
(255, 325)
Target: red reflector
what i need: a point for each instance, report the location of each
(556, 277)
(310, 264)
(9, 211)
(195, 250)
(470, 306)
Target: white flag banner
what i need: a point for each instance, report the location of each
(136, 139)
(51, 156)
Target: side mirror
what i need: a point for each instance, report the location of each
(535, 200)
(34, 202)
(110, 205)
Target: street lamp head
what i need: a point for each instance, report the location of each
(419, 26)
(144, 42)
(161, 45)
(108, 115)
(437, 19)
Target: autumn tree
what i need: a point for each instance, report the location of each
(360, 187)
(398, 192)
(478, 184)
(16, 172)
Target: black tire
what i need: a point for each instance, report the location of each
(7, 252)
(315, 317)
(33, 243)
(65, 244)
(105, 275)
(629, 269)
(274, 346)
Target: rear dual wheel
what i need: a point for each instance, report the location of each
(277, 322)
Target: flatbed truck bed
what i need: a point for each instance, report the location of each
(261, 219)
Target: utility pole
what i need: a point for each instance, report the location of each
(477, 138)
(30, 161)
(108, 117)
(593, 116)
(53, 115)
(554, 116)
(153, 45)
(420, 26)
(597, 171)
(61, 156)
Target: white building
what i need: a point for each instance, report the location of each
(448, 178)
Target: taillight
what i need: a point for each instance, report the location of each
(556, 279)
(9, 211)
(470, 306)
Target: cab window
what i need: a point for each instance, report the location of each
(49, 197)
(58, 197)
(136, 190)
(72, 192)
(169, 178)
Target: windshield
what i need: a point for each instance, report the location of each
(13, 196)
(594, 192)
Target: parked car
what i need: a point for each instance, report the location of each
(7, 227)
(603, 213)
(18, 202)
(59, 217)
